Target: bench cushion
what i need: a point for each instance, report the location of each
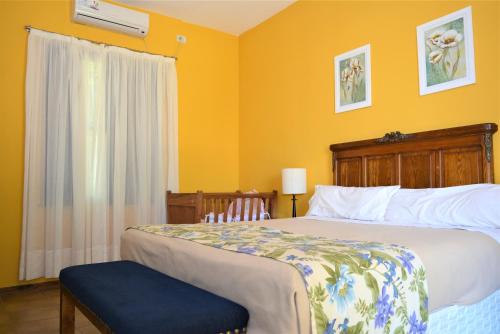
(131, 298)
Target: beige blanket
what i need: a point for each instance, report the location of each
(462, 268)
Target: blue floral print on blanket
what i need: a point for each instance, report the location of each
(353, 287)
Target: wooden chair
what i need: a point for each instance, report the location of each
(192, 208)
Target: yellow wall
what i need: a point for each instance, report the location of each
(208, 104)
(251, 106)
(287, 114)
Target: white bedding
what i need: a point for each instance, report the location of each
(462, 267)
(494, 233)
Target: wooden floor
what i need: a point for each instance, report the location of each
(35, 309)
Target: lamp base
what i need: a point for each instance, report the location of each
(294, 208)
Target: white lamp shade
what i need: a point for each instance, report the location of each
(294, 181)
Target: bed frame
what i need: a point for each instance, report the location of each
(191, 208)
(430, 159)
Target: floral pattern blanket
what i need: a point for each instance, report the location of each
(353, 287)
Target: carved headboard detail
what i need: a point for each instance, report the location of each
(392, 137)
(438, 158)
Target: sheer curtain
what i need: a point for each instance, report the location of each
(100, 150)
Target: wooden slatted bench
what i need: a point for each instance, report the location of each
(126, 297)
(192, 208)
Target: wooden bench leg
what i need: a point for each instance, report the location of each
(67, 312)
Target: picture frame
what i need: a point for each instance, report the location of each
(446, 52)
(352, 71)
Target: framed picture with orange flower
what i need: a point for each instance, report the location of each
(353, 88)
(446, 52)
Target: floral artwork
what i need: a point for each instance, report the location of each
(445, 52)
(353, 80)
(353, 287)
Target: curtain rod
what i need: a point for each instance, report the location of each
(28, 29)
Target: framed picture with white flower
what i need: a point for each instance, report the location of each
(446, 52)
(353, 88)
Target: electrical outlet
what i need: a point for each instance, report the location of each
(181, 39)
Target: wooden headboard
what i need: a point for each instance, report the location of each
(430, 159)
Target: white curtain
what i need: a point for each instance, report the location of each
(100, 150)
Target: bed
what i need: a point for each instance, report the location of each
(274, 292)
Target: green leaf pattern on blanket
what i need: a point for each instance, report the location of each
(353, 286)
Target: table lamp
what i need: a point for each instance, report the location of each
(294, 183)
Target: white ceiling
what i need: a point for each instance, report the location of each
(231, 16)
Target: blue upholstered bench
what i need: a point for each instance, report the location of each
(126, 297)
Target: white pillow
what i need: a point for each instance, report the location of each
(363, 203)
(476, 205)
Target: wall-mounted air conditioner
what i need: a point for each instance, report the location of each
(109, 16)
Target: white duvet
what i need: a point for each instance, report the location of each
(462, 267)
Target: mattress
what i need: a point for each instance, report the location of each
(463, 267)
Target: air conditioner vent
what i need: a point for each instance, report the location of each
(109, 16)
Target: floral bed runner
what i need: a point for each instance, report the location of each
(353, 287)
